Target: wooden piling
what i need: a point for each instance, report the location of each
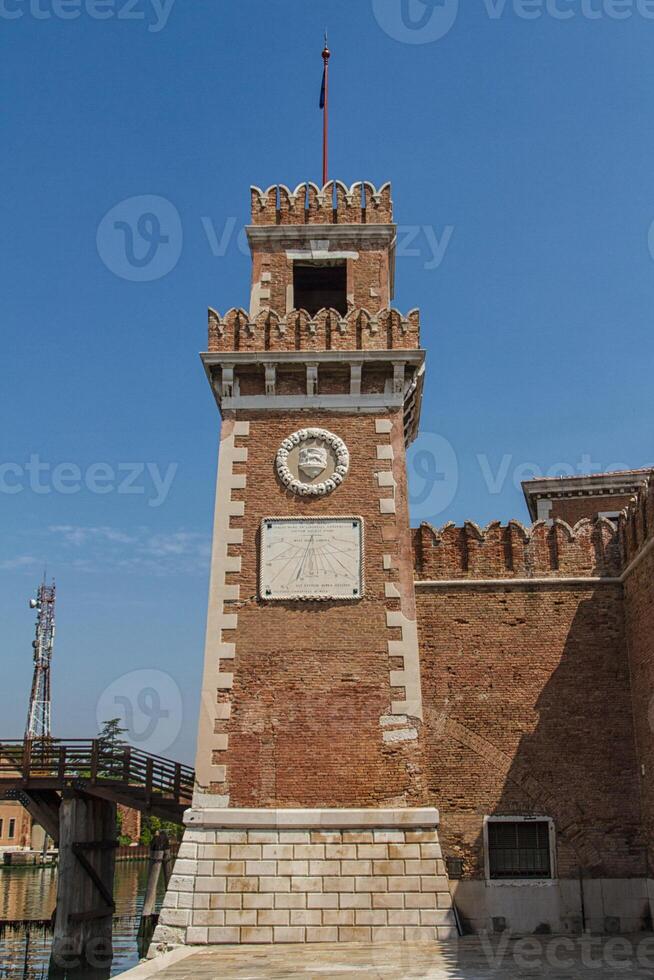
(85, 906)
(160, 861)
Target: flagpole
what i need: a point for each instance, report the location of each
(326, 55)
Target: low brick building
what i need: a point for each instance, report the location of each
(392, 718)
(15, 827)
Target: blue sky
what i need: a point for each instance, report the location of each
(520, 150)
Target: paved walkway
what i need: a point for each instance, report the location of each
(472, 958)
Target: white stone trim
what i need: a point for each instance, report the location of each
(387, 505)
(220, 621)
(312, 819)
(385, 453)
(409, 677)
(366, 404)
(386, 478)
(383, 427)
(319, 254)
(400, 735)
(356, 234)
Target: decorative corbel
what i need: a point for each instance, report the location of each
(312, 379)
(271, 377)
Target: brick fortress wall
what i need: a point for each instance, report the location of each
(637, 527)
(527, 691)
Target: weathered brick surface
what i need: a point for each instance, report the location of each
(574, 509)
(360, 329)
(331, 682)
(335, 203)
(590, 549)
(639, 604)
(528, 711)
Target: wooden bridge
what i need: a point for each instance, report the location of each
(72, 789)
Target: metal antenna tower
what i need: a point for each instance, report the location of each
(38, 717)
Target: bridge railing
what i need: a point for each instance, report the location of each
(94, 761)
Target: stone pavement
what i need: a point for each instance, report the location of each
(471, 958)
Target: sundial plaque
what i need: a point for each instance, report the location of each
(311, 559)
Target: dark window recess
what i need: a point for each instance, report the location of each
(454, 868)
(318, 286)
(12, 828)
(519, 850)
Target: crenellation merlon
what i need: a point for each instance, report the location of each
(335, 203)
(358, 329)
(590, 549)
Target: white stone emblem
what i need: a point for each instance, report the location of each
(312, 453)
(313, 461)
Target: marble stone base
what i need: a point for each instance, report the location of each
(307, 876)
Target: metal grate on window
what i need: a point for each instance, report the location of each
(519, 849)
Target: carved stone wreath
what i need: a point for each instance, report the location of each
(312, 464)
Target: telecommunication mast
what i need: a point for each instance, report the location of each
(38, 718)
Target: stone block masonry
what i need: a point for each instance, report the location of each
(296, 876)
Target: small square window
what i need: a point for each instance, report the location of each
(519, 849)
(320, 285)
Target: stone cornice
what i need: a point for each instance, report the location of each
(318, 819)
(219, 368)
(259, 235)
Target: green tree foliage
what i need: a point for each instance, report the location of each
(152, 825)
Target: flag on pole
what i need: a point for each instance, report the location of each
(324, 105)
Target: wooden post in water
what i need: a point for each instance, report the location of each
(159, 860)
(85, 906)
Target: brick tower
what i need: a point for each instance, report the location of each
(308, 821)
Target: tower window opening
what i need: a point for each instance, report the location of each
(320, 285)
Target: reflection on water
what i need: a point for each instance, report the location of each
(30, 893)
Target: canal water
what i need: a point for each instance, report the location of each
(29, 893)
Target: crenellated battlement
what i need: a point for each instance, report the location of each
(636, 523)
(589, 549)
(335, 203)
(327, 330)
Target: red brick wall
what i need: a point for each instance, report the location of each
(528, 711)
(312, 680)
(639, 605)
(130, 823)
(296, 331)
(593, 549)
(573, 509)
